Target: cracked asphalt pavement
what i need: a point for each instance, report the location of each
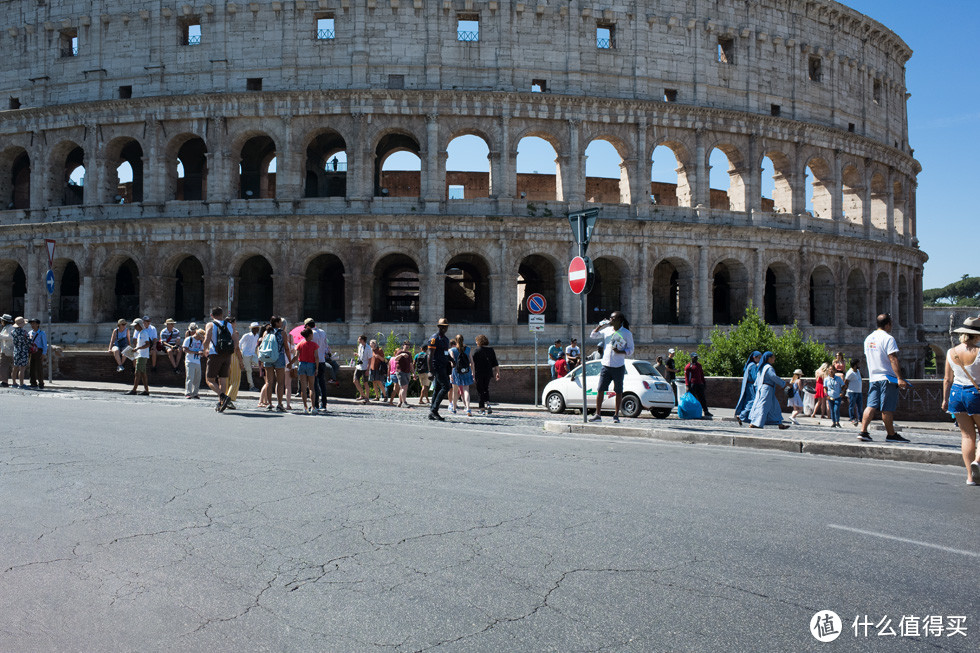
(156, 524)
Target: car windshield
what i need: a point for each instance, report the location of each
(644, 368)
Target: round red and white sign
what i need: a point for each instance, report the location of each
(578, 275)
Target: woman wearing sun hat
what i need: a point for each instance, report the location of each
(961, 392)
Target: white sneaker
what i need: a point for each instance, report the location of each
(793, 419)
(595, 418)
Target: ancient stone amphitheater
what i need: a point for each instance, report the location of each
(181, 153)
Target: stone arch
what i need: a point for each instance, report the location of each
(819, 183)
(467, 289)
(536, 185)
(673, 291)
(65, 306)
(474, 177)
(729, 297)
(256, 180)
(857, 299)
(822, 293)
(255, 289)
(899, 208)
(735, 200)
(13, 287)
(189, 289)
(537, 273)
(68, 159)
(396, 183)
(883, 294)
(324, 289)
(609, 292)
(396, 295)
(661, 190)
(15, 178)
(126, 289)
(879, 201)
(903, 317)
(613, 187)
(326, 164)
(779, 295)
(120, 152)
(187, 168)
(852, 194)
(782, 190)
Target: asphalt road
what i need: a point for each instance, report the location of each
(157, 525)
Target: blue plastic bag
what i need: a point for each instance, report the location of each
(689, 407)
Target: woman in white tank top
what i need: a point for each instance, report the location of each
(961, 392)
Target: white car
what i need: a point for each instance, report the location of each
(643, 389)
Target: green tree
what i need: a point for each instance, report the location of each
(728, 350)
(965, 292)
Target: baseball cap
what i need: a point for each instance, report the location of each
(253, 325)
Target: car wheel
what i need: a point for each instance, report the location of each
(555, 403)
(660, 413)
(631, 406)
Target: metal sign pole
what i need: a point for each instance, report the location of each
(585, 406)
(535, 369)
(48, 339)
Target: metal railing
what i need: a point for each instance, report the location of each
(467, 36)
(70, 51)
(604, 44)
(325, 34)
(194, 39)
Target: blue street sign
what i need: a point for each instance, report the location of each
(49, 281)
(536, 304)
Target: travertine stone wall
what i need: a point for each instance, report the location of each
(835, 76)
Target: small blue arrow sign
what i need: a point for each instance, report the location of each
(49, 281)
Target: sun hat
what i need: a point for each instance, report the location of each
(170, 320)
(308, 321)
(253, 325)
(192, 326)
(798, 371)
(20, 322)
(137, 322)
(6, 317)
(671, 351)
(971, 326)
(442, 322)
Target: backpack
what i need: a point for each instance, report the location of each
(270, 349)
(223, 343)
(462, 362)
(422, 363)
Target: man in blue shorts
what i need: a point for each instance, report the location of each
(885, 378)
(617, 344)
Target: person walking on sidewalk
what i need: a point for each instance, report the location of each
(765, 408)
(485, 369)
(249, 343)
(961, 393)
(37, 342)
(885, 377)
(796, 401)
(617, 345)
(421, 367)
(439, 367)
(694, 378)
(747, 395)
(220, 345)
(142, 348)
(193, 346)
(671, 374)
(834, 386)
(854, 392)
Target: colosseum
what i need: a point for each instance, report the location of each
(183, 153)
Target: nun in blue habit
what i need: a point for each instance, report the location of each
(747, 395)
(765, 408)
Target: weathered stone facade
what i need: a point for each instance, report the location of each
(812, 85)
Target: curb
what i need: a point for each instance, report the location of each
(840, 449)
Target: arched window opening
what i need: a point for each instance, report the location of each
(727, 187)
(729, 292)
(879, 202)
(536, 274)
(607, 291)
(777, 191)
(822, 292)
(668, 178)
(396, 290)
(467, 290)
(324, 296)
(18, 194)
(537, 171)
(326, 166)
(904, 318)
(68, 292)
(256, 167)
(189, 290)
(606, 178)
(398, 167)
(899, 208)
(672, 292)
(74, 190)
(192, 171)
(127, 290)
(819, 201)
(128, 187)
(255, 294)
(883, 294)
(852, 195)
(13, 287)
(468, 168)
(857, 299)
(779, 294)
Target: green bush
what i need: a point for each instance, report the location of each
(728, 350)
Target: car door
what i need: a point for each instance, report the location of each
(592, 370)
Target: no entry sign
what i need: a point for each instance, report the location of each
(536, 303)
(580, 275)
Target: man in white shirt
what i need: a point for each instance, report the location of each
(142, 348)
(249, 344)
(884, 379)
(573, 355)
(151, 332)
(852, 386)
(617, 345)
(361, 365)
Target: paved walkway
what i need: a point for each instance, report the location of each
(931, 442)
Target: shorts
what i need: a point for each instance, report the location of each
(141, 365)
(614, 375)
(964, 399)
(359, 375)
(883, 395)
(403, 378)
(307, 369)
(424, 379)
(219, 366)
